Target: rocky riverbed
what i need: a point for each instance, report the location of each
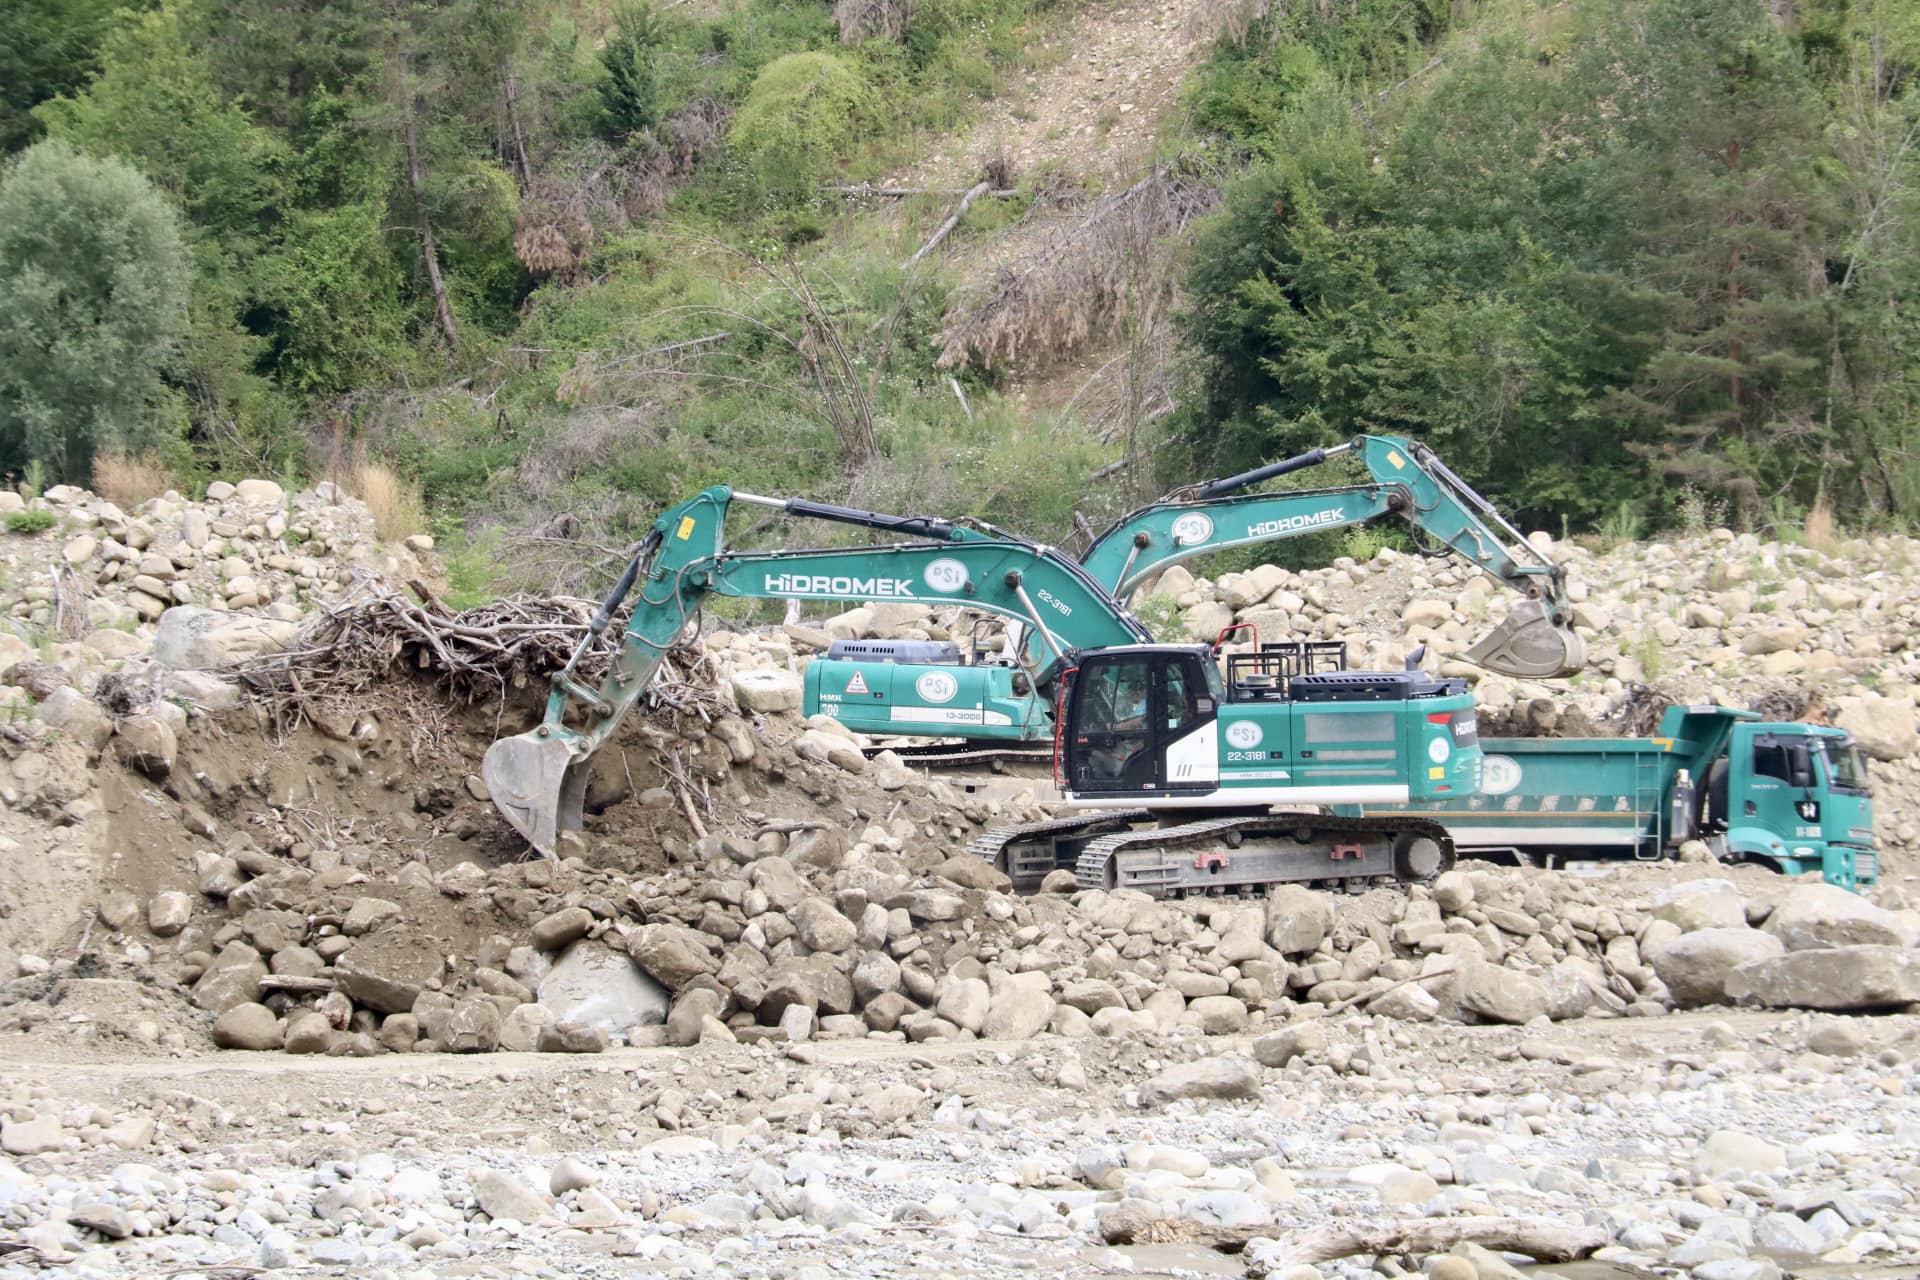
(281, 993)
(1730, 1146)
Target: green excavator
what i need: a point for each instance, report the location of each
(997, 704)
(1192, 782)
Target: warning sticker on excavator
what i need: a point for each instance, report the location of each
(859, 683)
(1399, 463)
(686, 528)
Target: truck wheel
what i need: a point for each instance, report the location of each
(1418, 858)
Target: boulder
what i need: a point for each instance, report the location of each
(572, 1037)
(1020, 1008)
(260, 493)
(1884, 727)
(1695, 966)
(1810, 916)
(1841, 978)
(388, 971)
(308, 1032)
(1218, 1015)
(765, 691)
(77, 716)
(1300, 1040)
(474, 1027)
(500, 1196)
(554, 932)
(964, 1002)
(670, 954)
(813, 981)
(147, 743)
(1297, 919)
(193, 638)
(820, 925)
(1701, 904)
(1453, 891)
(520, 1030)
(247, 1026)
(1223, 1078)
(1497, 994)
(232, 979)
(594, 985)
(169, 911)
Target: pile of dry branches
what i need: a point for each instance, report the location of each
(353, 648)
(1095, 273)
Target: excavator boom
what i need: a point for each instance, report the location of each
(1406, 480)
(538, 779)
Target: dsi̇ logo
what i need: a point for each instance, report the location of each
(946, 576)
(1193, 527)
(937, 687)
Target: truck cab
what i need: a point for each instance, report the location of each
(1794, 797)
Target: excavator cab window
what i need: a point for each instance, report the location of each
(1126, 708)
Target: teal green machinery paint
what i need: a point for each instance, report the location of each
(1251, 763)
(1205, 784)
(999, 701)
(1792, 797)
(538, 779)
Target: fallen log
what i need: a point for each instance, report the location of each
(1544, 1242)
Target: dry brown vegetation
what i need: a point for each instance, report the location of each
(1819, 528)
(398, 511)
(594, 191)
(871, 19)
(127, 480)
(1101, 270)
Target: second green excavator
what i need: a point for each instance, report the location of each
(996, 704)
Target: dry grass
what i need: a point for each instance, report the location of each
(127, 480)
(398, 511)
(1109, 265)
(1819, 528)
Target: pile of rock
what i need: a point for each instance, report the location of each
(248, 546)
(1812, 946)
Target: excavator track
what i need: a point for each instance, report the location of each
(1214, 855)
(1029, 869)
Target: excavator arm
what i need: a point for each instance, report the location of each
(1406, 480)
(538, 779)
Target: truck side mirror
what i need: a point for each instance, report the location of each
(1799, 767)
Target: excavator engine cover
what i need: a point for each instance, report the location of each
(1529, 645)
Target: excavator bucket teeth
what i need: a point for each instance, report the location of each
(1528, 644)
(538, 787)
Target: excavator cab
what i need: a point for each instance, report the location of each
(1133, 711)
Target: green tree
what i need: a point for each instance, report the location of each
(93, 290)
(1715, 146)
(629, 93)
(47, 48)
(801, 114)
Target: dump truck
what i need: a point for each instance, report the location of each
(1790, 797)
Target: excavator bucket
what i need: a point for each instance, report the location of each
(1528, 644)
(538, 784)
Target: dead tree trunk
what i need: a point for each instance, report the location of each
(516, 137)
(417, 181)
(417, 176)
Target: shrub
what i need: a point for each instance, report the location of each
(27, 523)
(127, 480)
(394, 501)
(90, 254)
(801, 114)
